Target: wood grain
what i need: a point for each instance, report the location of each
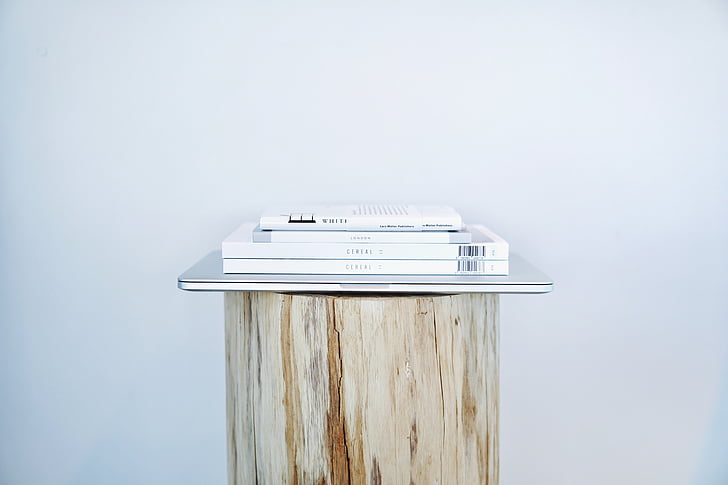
(362, 389)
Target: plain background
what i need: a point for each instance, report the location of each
(592, 135)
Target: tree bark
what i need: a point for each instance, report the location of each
(364, 389)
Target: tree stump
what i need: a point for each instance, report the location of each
(363, 389)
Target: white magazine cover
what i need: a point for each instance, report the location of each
(485, 245)
(364, 217)
(462, 236)
(367, 266)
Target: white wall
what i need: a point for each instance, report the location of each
(135, 135)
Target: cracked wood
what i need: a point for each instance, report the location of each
(361, 389)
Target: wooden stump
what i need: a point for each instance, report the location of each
(362, 389)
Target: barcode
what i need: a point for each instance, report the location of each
(473, 266)
(472, 251)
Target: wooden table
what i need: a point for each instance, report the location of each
(363, 385)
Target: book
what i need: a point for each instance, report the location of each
(362, 237)
(363, 218)
(366, 266)
(485, 245)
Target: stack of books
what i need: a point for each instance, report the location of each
(365, 239)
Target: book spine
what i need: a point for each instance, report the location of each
(366, 217)
(359, 237)
(378, 267)
(490, 251)
(354, 223)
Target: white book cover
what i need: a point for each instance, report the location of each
(363, 237)
(485, 245)
(366, 266)
(366, 217)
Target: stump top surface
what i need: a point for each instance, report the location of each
(207, 275)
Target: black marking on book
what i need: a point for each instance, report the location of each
(471, 251)
(472, 266)
(297, 218)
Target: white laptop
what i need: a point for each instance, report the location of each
(207, 275)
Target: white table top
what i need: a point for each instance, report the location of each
(207, 275)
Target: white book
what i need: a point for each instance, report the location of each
(363, 237)
(485, 245)
(363, 218)
(366, 266)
